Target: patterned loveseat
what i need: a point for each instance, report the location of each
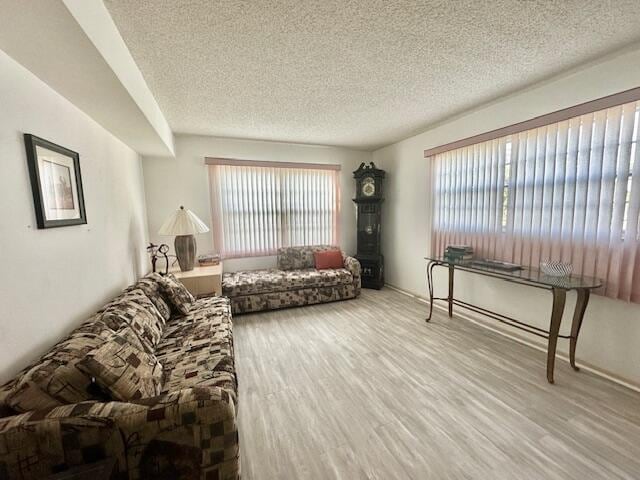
(147, 383)
(295, 282)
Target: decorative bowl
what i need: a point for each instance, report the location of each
(556, 269)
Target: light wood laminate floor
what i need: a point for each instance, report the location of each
(365, 389)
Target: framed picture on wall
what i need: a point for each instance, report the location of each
(56, 183)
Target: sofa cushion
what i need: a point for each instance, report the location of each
(268, 281)
(150, 285)
(291, 298)
(293, 258)
(252, 281)
(177, 294)
(136, 311)
(310, 278)
(56, 379)
(5, 391)
(197, 349)
(136, 339)
(328, 259)
(122, 370)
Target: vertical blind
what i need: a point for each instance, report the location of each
(256, 210)
(569, 191)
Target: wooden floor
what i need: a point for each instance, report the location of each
(366, 389)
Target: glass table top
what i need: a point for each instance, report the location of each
(525, 275)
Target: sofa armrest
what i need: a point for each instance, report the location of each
(178, 434)
(353, 265)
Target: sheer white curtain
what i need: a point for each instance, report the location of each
(256, 210)
(568, 191)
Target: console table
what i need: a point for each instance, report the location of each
(533, 278)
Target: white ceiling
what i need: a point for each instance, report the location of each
(50, 39)
(362, 73)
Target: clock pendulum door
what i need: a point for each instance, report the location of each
(369, 214)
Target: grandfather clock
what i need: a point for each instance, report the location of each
(369, 202)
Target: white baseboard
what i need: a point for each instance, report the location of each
(482, 323)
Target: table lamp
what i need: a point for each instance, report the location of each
(184, 224)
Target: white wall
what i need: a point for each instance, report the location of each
(611, 330)
(184, 180)
(54, 279)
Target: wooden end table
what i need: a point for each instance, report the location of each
(202, 281)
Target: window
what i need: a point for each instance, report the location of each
(566, 191)
(261, 206)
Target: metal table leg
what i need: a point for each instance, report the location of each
(559, 297)
(578, 315)
(430, 266)
(450, 296)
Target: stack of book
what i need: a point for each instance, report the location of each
(208, 260)
(458, 253)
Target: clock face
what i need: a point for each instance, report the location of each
(368, 186)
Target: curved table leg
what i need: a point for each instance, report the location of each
(559, 297)
(450, 296)
(430, 284)
(578, 315)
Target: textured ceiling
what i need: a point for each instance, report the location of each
(361, 73)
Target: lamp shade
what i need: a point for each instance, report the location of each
(182, 222)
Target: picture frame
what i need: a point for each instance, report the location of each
(56, 183)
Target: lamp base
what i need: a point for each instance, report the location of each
(185, 246)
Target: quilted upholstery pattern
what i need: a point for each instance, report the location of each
(353, 265)
(93, 325)
(187, 431)
(176, 293)
(135, 311)
(291, 298)
(55, 379)
(273, 280)
(151, 287)
(186, 434)
(122, 370)
(5, 391)
(198, 349)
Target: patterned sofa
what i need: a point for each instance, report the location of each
(294, 283)
(147, 383)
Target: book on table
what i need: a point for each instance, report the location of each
(458, 253)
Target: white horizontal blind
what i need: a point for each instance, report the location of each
(568, 191)
(256, 209)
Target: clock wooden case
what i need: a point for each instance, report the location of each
(369, 198)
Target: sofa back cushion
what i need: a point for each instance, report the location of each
(56, 379)
(137, 312)
(123, 371)
(296, 258)
(92, 326)
(150, 285)
(5, 390)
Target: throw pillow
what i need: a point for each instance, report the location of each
(123, 371)
(176, 293)
(56, 379)
(328, 259)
